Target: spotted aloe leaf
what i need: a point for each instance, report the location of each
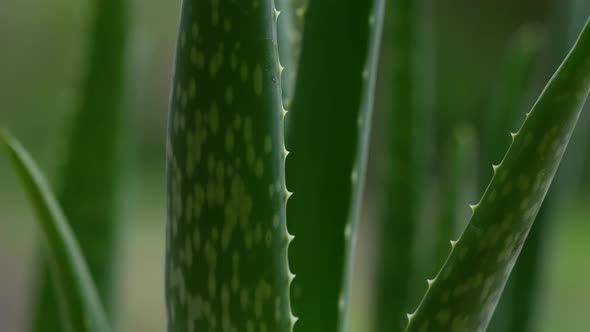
(79, 304)
(226, 256)
(463, 296)
(329, 123)
(91, 180)
(527, 277)
(506, 106)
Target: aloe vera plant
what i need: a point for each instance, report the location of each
(236, 236)
(226, 264)
(464, 294)
(505, 108)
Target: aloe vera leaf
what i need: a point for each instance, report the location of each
(78, 301)
(399, 220)
(464, 294)
(329, 124)
(510, 95)
(527, 274)
(92, 168)
(507, 102)
(226, 257)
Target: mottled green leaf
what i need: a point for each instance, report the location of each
(226, 257)
(463, 296)
(78, 301)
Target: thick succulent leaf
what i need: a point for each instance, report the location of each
(226, 257)
(507, 104)
(329, 124)
(78, 301)
(526, 282)
(91, 182)
(463, 296)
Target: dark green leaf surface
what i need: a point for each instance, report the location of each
(460, 156)
(399, 220)
(226, 257)
(91, 182)
(328, 134)
(464, 294)
(78, 301)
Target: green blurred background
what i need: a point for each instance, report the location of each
(42, 52)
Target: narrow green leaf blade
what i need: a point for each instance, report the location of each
(329, 124)
(404, 148)
(91, 181)
(80, 306)
(226, 257)
(526, 282)
(463, 296)
(457, 184)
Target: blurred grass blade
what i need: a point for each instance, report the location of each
(463, 296)
(329, 124)
(458, 178)
(91, 174)
(80, 306)
(226, 257)
(398, 223)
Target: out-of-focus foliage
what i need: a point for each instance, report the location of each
(43, 52)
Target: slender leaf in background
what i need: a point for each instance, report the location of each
(464, 294)
(525, 285)
(79, 304)
(91, 181)
(329, 126)
(399, 221)
(460, 156)
(226, 257)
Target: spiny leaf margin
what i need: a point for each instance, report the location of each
(464, 294)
